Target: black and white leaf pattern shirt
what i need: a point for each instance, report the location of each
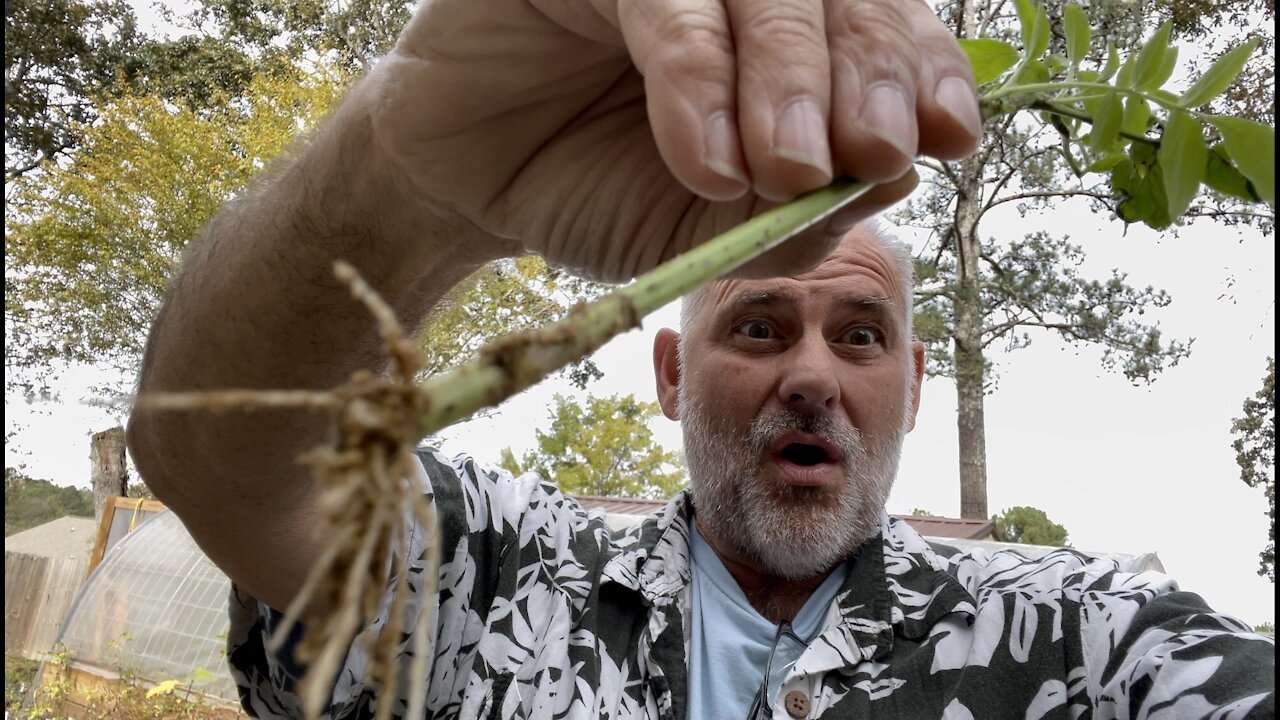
(543, 612)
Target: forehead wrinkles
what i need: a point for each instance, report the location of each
(852, 264)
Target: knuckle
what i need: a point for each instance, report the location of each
(694, 28)
(881, 50)
(869, 27)
(693, 43)
(784, 25)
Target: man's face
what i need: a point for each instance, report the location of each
(794, 397)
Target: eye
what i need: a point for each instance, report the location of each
(862, 335)
(756, 330)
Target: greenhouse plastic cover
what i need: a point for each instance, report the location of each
(156, 607)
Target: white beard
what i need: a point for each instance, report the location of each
(792, 532)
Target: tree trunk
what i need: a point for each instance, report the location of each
(108, 475)
(970, 365)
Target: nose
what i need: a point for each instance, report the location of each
(809, 379)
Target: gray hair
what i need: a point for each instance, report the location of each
(898, 251)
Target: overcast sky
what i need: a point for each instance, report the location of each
(1124, 468)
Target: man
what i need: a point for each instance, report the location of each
(609, 137)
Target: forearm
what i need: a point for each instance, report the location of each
(256, 305)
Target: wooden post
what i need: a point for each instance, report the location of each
(109, 475)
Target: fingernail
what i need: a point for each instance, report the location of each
(801, 136)
(887, 116)
(956, 98)
(720, 150)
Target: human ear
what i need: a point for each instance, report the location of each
(666, 370)
(917, 381)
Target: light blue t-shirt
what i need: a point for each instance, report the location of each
(730, 642)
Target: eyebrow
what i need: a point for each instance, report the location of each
(767, 298)
(771, 298)
(873, 304)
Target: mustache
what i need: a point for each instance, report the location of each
(768, 428)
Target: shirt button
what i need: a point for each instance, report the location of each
(797, 704)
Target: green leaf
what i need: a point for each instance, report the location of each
(1056, 63)
(1218, 77)
(1106, 123)
(1182, 158)
(1113, 64)
(1077, 29)
(1026, 23)
(1150, 59)
(1107, 161)
(1039, 33)
(1222, 176)
(1252, 147)
(1136, 114)
(1168, 62)
(1032, 72)
(1125, 78)
(1140, 181)
(989, 58)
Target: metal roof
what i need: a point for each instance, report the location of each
(67, 537)
(938, 527)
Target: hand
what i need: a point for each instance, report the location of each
(610, 135)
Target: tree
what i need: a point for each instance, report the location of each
(504, 296)
(29, 502)
(1255, 447)
(58, 55)
(65, 59)
(1030, 526)
(91, 247)
(93, 241)
(976, 291)
(605, 448)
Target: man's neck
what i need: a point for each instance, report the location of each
(775, 598)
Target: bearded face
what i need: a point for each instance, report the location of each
(795, 395)
(791, 531)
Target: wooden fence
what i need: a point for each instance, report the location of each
(37, 593)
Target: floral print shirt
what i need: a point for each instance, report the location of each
(543, 612)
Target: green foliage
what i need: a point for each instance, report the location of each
(125, 698)
(350, 34)
(65, 58)
(29, 502)
(505, 296)
(58, 55)
(90, 248)
(1266, 628)
(1030, 526)
(605, 448)
(1034, 284)
(1109, 123)
(917, 512)
(1255, 447)
(19, 674)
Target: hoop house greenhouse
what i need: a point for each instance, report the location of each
(154, 609)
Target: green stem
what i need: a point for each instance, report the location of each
(1050, 106)
(1048, 87)
(512, 363)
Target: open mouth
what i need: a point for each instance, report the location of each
(805, 454)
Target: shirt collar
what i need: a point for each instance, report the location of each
(896, 582)
(897, 585)
(653, 556)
